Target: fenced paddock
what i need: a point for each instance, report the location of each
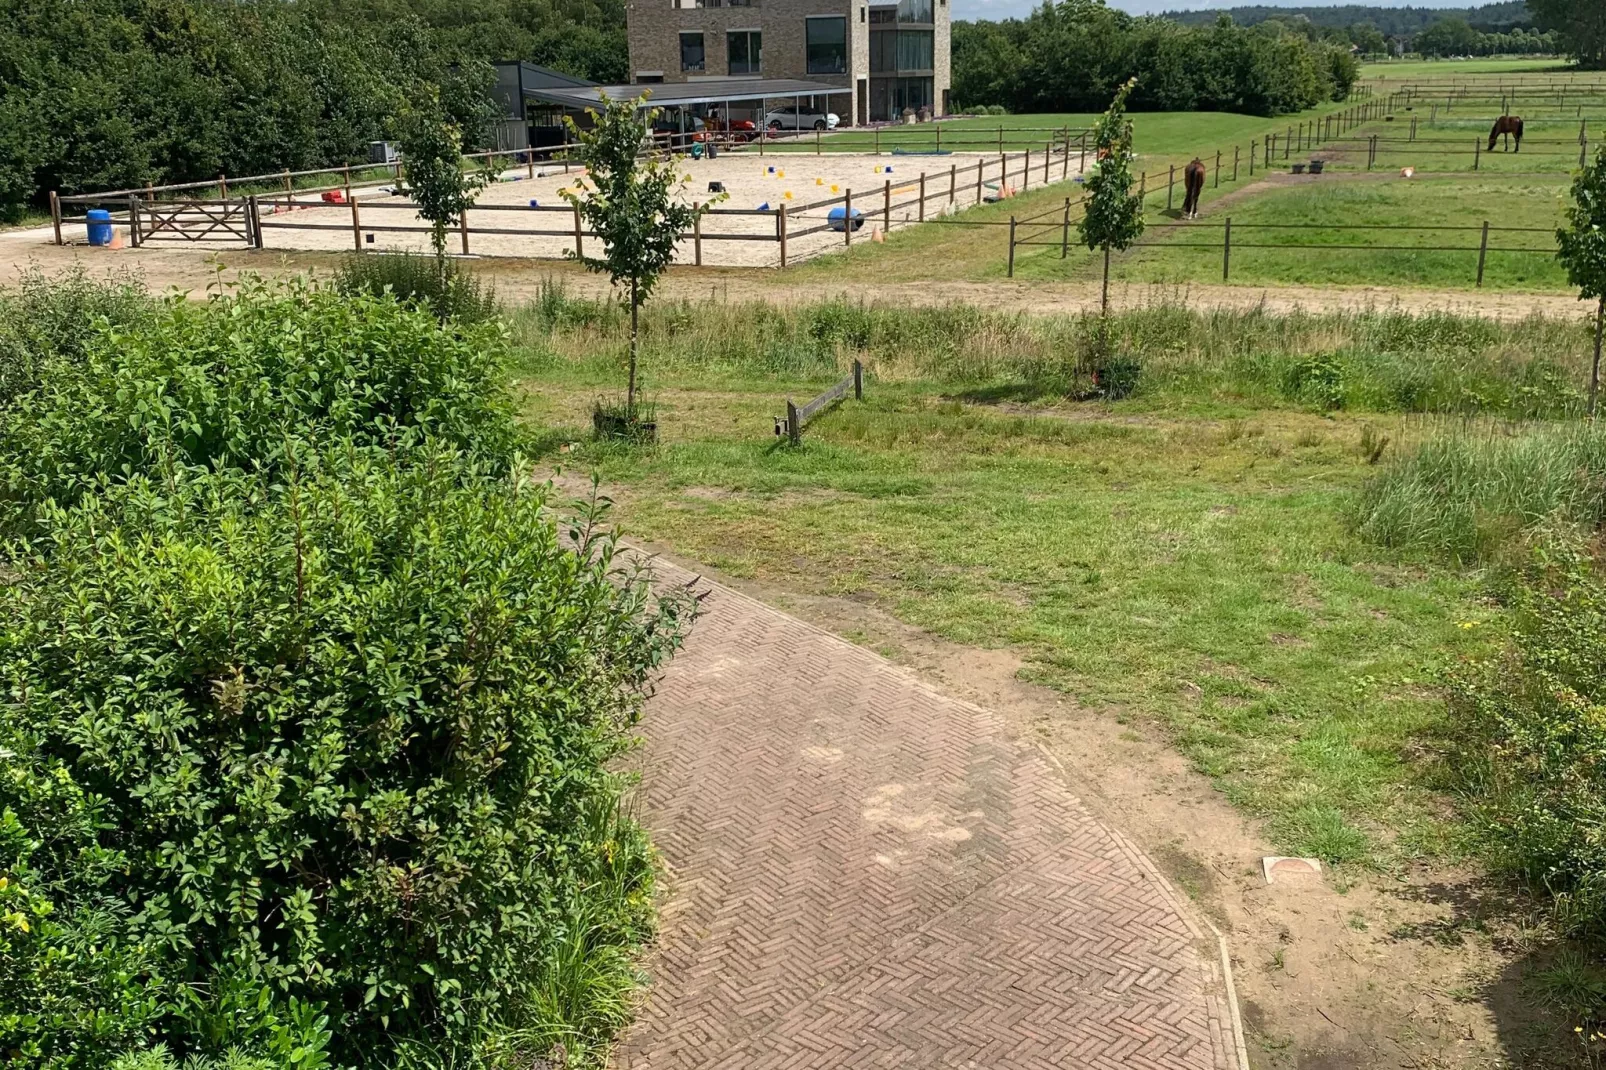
(775, 211)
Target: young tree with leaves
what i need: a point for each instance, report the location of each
(1581, 248)
(437, 178)
(628, 200)
(1112, 215)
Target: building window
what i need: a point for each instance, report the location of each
(746, 51)
(914, 50)
(691, 52)
(883, 15)
(827, 43)
(914, 11)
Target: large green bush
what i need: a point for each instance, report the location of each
(307, 710)
(237, 382)
(347, 737)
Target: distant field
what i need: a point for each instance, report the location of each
(1156, 134)
(1318, 208)
(1395, 70)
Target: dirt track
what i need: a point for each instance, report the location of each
(519, 280)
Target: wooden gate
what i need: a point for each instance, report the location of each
(192, 221)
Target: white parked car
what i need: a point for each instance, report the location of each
(799, 118)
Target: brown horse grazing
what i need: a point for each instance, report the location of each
(1511, 126)
(1193, 177)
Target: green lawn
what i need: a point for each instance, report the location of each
(1444, 69)
(1192, 572)
(1319, 206)
(1157, 135)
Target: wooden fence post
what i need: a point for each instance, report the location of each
(1048, 157)
(223, 186)
(462, 228)
(780, 232)
(133, 221)
(1169, 185)
(847, 217)
(886, 207)
(877, 134)
(1226, 249)
(1026, 169)
(1011, 271)
(953, 180)
(858, 380)
(1000, 140)
(1483, 252)
(356, 222)
(55, 214)
(1477, 153)
(1143, 184)
(697, 237)
(579, 248)
(978, 181)
(254, 207)
(1235, 163)
(920, 216)
(1217, 179)
(1081, 159)
(1251, 157)
(1065, 231)
(794, 433)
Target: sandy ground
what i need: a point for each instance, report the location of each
(734, 234)
(518, 280)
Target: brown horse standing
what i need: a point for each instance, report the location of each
(1193, 177)
(1511, 126)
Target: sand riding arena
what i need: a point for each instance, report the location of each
(776, 209)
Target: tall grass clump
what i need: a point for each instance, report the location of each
(435, 283)
(1381, 361)
(1466, 495)
(309, 714)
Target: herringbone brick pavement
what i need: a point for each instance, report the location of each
(862, 872)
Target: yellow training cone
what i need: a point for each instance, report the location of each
(834, 189)
(788, 194)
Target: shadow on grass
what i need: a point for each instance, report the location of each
(1019, 392)
(1541, 993)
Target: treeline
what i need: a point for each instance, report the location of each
(99, 94)
(1397, 22)
(1456, 37)
(1071, 56)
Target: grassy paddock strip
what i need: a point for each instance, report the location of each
(1185, 560)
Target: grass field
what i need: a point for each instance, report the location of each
(1159, 136)
(1316, 208)
(1181, 559)
(1445, 69)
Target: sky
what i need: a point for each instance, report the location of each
(1003, 9)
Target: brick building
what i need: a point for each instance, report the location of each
(890, 59)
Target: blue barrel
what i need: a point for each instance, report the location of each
(100, 226)
(834, 218)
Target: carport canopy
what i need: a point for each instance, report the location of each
(680, 94)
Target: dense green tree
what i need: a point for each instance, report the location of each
(1072, 55)
(1580, 25)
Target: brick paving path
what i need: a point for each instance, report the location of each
(863, 872)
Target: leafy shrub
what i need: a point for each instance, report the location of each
(345, 740)
(1534, 718)
(436, 284)
(51, 318)
(1466, 497)
(1317, 379)
(236, 382)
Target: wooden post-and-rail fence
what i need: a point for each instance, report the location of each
(797, 418)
